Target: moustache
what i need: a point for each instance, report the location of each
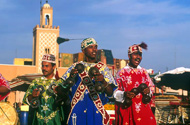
(137, 59)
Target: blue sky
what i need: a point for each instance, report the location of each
(115, 24)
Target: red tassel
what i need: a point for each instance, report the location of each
(143, 45)
(57, 75)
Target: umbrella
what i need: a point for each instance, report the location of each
(178, 78)
(21, 83)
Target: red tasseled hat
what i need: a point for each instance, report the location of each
(137, 47)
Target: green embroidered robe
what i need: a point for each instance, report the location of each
(48, 112)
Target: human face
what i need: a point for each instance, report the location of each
(48, 69)
(135, 59)
(90, 53)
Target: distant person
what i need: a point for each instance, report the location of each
(42, 94)
(131, 107)
(87, 101)
(4, 88)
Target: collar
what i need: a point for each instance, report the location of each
(44, 78)
(90, 62)
(138, 67)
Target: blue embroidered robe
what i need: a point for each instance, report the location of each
(85, 111)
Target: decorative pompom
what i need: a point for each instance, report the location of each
(143, 45)
(57, 75)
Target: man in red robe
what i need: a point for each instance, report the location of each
(131, 76)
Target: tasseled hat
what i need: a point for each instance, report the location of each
(137, 47)
(87, 42)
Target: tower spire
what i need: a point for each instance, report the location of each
(40, 3)
(45, 36)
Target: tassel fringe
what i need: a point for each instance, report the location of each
(143, 45)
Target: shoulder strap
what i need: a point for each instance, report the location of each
(86, 83)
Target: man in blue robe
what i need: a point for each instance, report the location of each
(87, 104)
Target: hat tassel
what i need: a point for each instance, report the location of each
(143, 45)
(56, 75)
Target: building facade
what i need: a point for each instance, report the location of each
(45, 42)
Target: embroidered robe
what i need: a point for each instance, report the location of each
(85, 111)
(48, 112)
(138, 113)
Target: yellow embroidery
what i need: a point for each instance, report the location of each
(138, 96)
(45, 108)
(88, 68)
(139, 119)
(129, 83)
(46, 119)
(107, 80)
(68, 74)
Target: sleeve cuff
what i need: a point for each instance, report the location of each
(118, 95)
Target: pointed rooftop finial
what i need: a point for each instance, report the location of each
(40, 3)
(46, 1)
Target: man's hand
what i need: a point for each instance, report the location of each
(55, 89)
(130, 94)
(4, 90)
(98, 77)
(73, 73)
(35, 93)
(146, 91)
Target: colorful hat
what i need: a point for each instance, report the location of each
(49, 58)
(137, 47)
(87, 42)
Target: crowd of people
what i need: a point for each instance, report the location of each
(79, 96)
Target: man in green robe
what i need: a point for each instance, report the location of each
(43, 94)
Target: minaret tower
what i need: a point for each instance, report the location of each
(45, 37)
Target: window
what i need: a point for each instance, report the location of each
(47, 19)
(47, 50)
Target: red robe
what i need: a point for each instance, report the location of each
(3, 82)
(138, 113)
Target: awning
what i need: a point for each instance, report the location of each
(178, 78)
(21, 83)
